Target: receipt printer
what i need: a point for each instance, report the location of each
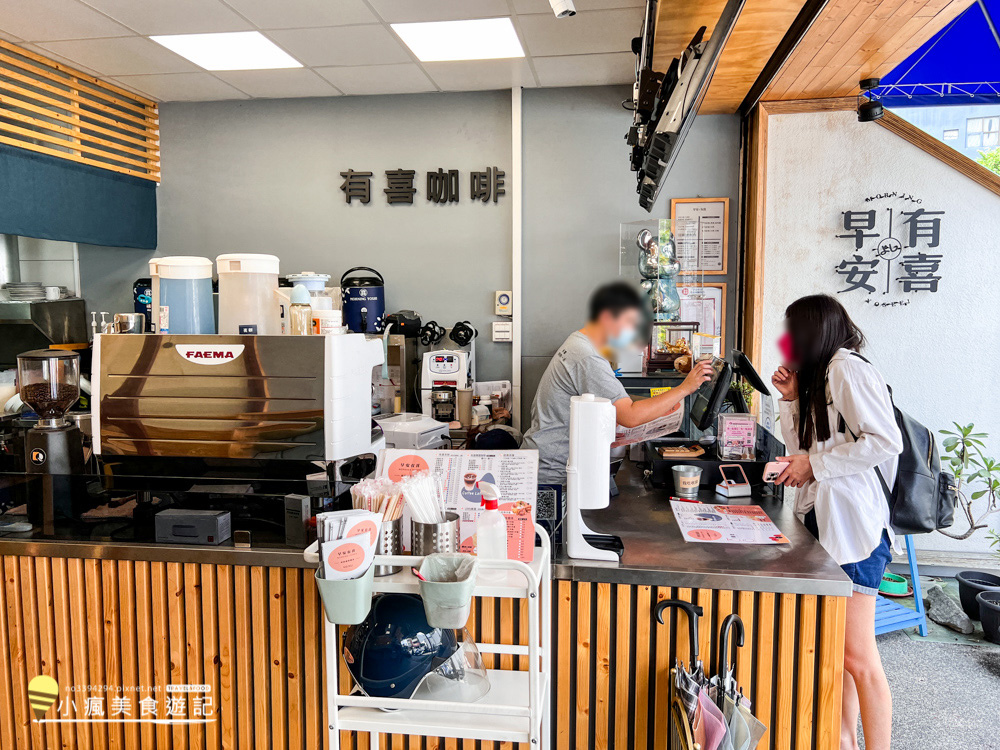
(176, 526)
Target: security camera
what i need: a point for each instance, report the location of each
(563, 8)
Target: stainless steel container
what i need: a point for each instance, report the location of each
(130, 323)
(428, 538)
(390, 542)
(687, 478)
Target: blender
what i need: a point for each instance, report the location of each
(49, 383)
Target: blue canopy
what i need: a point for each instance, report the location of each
(958, 65)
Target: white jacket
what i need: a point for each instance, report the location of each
(851, 509)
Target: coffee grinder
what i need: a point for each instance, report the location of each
(49, 383)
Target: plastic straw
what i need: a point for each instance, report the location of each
(424, 498)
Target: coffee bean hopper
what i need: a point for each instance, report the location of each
(49, 383)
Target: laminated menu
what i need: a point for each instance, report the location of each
(725, 524)
(657, 428)
(515, 473)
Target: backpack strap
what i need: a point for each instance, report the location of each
(842, 426)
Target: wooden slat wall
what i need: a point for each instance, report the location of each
(52, 109)
(254, 635)
(791, 665)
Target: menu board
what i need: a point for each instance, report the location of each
(515, 473)
(701, 228)
(725, 524)
(706, 304)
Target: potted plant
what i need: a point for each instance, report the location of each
(978, 477)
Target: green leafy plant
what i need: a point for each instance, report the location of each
(990, 159)
(975, 471)
(994, 537)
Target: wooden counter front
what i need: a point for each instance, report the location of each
(254, 635)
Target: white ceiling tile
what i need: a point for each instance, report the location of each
(378, 79)
(60, 59)
(172, 16)
(278, 84)
(480, 75)
(408, 11)
(47, 20)
(291, 14)
(584, 33)
(121, 57)
(9, 37)
(582, 6)
(585, 70)
(346, 45)
(182, 87)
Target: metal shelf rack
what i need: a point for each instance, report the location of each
(517, 707)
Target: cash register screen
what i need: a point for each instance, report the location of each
(709, 397)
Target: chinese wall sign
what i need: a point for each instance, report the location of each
(894, 251)
(442, 186)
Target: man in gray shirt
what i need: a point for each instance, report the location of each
(578, 367)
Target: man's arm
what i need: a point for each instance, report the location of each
(634, 413)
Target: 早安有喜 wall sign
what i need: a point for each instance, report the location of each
(893, 249)
(441, 186)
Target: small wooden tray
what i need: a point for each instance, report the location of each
(681, 451)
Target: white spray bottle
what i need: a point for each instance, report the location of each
(491, 531)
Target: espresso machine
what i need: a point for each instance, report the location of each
(49, 383)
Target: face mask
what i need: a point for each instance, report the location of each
(787, 348)
(624, 337)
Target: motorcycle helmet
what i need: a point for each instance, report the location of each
(395, 653)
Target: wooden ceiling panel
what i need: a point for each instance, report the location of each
(760, 28)
(855, 39)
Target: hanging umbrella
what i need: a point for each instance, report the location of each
(687, 681)
(745, 730)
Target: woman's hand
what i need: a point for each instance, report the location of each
(787, 383)
(797, 472)
(701, 372)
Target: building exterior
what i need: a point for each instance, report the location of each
(970, 129)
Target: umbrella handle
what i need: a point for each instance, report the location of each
(693, 613)
(727, 625)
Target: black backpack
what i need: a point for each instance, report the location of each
(924, 497)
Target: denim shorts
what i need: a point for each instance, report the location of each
(865, 574)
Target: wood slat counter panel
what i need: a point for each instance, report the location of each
(253, 635)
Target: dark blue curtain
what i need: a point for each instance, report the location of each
(55, 199)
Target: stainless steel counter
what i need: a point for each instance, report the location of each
(656, 554)
(223, 554)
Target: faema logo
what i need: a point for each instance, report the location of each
(210, 354)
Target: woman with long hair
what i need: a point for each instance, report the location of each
(839, 427)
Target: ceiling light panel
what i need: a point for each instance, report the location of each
(241, 50)
(444, 41)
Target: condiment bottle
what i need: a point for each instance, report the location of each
(491, 531)
(300, 312)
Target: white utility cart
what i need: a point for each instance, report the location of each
(516, 709)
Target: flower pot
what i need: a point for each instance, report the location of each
(970, 583)
(989, 610)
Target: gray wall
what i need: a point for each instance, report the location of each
(263, 176)
(578, 189)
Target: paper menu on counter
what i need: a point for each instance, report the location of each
(347, 541)
(515, 473)
(725, 524)
(659, 427)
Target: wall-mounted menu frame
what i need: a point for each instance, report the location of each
(701, 234)
(705, 303)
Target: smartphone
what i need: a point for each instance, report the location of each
(773, 469)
